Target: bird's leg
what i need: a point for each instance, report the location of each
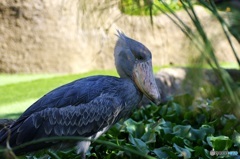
(82, 148)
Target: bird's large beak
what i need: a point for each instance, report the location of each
(144, 79)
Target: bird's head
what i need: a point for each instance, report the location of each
(133, 60)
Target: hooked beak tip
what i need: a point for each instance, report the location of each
(157, 101)
(144, 79)
(155, 98)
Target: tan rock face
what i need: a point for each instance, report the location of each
(75, 36)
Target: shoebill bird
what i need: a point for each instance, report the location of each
(87, 107)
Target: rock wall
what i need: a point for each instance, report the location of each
(58, 36)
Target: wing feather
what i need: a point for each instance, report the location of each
(84, 120)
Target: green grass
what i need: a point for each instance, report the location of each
(18, 92)
(16, 78)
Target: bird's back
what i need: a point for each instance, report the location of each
(80, 108)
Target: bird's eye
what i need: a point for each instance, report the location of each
(140, 58)
(139, 55)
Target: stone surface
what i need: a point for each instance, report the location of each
(43, 36)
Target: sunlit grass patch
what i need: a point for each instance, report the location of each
(16, 78)
(20, 91)
(14, 109)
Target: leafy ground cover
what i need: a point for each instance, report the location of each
(185, 127)
(167, 131)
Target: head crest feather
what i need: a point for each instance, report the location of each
(121, 35)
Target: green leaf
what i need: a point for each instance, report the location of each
(160, 153)
(230, 116)
(236, 138)
(139, 144)
(207, 129)
(170, 152)
(166, 127)
(163, 110)
(183, 152)
(149, 137)
(229, 122)
(181, 130)
(136, 129)
(178, 140)
(220, 143)
(200, 151)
